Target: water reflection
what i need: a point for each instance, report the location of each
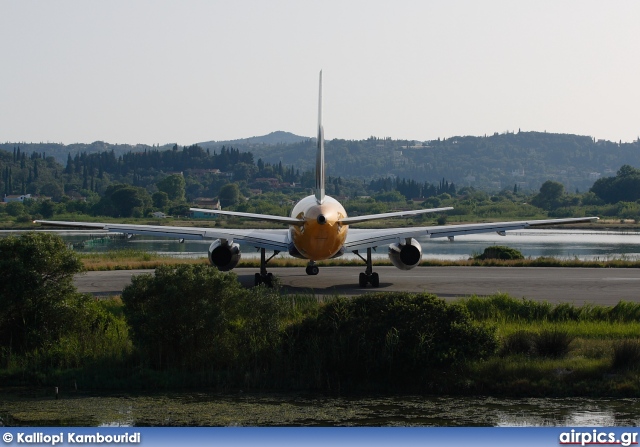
(262, 409)
(567, 244)
(532, 243)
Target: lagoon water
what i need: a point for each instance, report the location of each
(565, 244)
(267, 409)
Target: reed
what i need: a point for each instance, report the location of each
(502, 306)
(626, 354)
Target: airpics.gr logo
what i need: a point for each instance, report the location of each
(596, 437)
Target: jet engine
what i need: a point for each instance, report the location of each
(405, 256)
(224, 255)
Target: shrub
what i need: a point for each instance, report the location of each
(499, 252)
(194, 317)
(24, 218)
(384, 338)
(37, 294)
(44, 321)
(554, 343)
(626, 354)
(520, 342)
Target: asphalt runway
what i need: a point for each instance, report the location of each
(556, 285)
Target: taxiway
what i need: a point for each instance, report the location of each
(568, 285)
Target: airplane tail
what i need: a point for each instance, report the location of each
(320, 152)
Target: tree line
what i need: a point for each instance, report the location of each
(489, 162)
(136, 183)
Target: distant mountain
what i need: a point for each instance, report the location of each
(61, 151)
(493, 162)
(272, 139)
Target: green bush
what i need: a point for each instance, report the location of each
(554, 343)
(37, 295)
(499, 252)
(194, 317)
(396, 340)
(519, 342)
(626, 355)
(44, 322)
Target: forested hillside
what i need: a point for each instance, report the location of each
(136, 184)
(490, 163)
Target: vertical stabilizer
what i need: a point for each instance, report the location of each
(320, 152)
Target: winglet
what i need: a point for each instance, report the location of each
(320, 152)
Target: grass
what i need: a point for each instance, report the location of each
(557, 350)
(136, 259)
(592, 330)
(626, 354)
(130, 259)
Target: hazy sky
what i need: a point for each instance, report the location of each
(187, 71)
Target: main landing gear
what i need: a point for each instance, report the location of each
(312, 268)
(263, 277)
(369, 276)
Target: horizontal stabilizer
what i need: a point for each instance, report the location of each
(265, 217)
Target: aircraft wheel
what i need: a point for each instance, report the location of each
(312, 270)
(375, 280)
(362, 280)
(268, 280)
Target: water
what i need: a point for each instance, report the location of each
(563, 244)
(262, 409)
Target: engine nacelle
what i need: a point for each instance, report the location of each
(223, 255)
(405, 256)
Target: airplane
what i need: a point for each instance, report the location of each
(318, 229)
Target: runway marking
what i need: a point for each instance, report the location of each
(621, 279)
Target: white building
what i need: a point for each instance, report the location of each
(16, 198)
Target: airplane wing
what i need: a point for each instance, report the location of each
(360, 239)
(277, 239)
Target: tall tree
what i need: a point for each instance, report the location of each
(229, 195)
(174, 186)
(549, 196)
(36, 290)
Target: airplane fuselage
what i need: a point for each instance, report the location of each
(321, 236)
